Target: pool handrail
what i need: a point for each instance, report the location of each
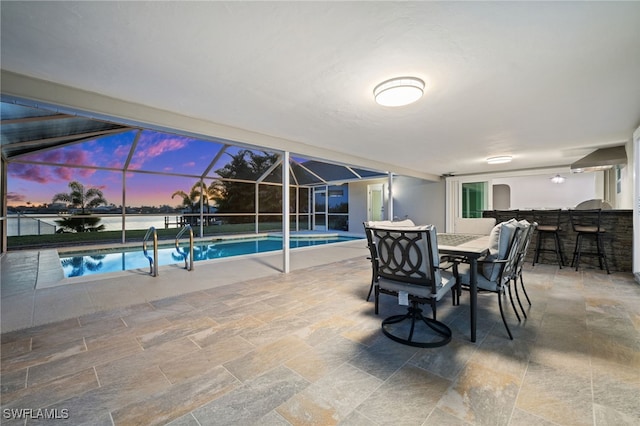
(184, 254)
(153, 261)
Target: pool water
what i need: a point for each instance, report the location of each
(105, 261)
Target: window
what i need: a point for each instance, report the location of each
(474, 199)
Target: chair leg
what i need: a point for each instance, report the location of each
(456, 290)
(601, 254)
(376, 296)
(577, 251)
(414, 313)
(558, 249)
(513, 304)
(537, 251)
(524, 290)
(504, 320)
(371, 288)
(515, 288)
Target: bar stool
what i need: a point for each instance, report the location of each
(548, 226)
(586, 223)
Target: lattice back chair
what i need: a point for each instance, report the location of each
(371, 245)
(409, 269)
(523, 247)
(497, 269)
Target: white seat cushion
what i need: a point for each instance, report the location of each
(446, 283)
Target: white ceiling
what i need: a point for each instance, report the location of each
(545, 82)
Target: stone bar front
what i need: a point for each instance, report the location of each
(618, 239)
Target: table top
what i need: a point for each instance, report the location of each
(473, 246)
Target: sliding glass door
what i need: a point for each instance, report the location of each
(475, 197)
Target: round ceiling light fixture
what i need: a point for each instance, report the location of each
(558, 179)
(499, 159)
(399, 91)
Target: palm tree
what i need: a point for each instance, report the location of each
(191, 201)
(78, 197)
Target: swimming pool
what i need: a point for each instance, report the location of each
(82, 263)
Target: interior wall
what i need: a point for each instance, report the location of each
(501, 197)
(624, 200)
(358, 204)
(419, 200)
(633, 158)
(538, 192)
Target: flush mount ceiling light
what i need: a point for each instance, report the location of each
(499, 160)
(558, 179)
(399, 91)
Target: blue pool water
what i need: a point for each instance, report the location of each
(105, 261)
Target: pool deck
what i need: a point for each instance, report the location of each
(35, 292)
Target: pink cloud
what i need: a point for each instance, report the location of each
(62, 156)
(14, 197)
(152, 145)
(29, 172)
(45, 174)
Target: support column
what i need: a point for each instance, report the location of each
(390, 198)
(285, 214)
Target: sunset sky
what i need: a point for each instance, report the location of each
(159, 152)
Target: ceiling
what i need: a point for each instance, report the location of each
(544, 82)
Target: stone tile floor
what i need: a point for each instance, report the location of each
(305, 348)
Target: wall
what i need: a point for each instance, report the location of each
(537, 191)
(358, 204)
(420, 200)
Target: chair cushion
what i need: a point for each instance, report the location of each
(588, 229)
(464, 272)
(447, 281)
(499, 240)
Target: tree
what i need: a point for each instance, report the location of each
(83, 199)
(239, 197)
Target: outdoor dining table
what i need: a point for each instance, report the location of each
(471, 248)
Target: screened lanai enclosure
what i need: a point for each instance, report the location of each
(66, 177)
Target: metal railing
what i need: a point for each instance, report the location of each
(153, 261)
(186, 256)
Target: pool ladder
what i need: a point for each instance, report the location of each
(153, 261)
(186, 256)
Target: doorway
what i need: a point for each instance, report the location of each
(375, 202)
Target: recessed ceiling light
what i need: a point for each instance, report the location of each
(399, 91)
(499, 159)
(558, 179)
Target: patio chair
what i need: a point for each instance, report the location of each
(497, 269)
(373, 255)
(527, 235)
(409, 269)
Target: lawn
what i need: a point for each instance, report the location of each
(111, 237)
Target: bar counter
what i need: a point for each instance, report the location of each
(618, 239)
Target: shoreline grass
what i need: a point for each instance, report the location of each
(26, 242)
